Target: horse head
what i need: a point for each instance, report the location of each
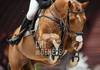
(76, 21)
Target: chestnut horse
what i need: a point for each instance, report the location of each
(59, 32)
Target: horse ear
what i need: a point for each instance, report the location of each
(84, 5)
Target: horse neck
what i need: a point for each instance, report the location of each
(59, 8)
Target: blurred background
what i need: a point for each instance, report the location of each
(12, 13)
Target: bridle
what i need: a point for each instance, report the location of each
(70, 11)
